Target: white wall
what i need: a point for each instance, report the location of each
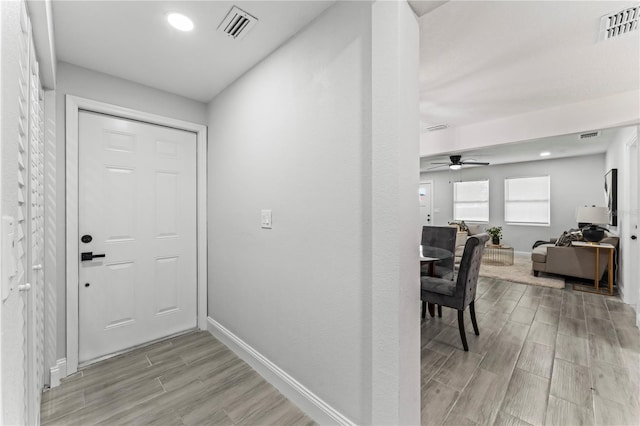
(617, 158)
(395, 232)
(12, 356)
(294, 135)
(73, 80)
(575, 181)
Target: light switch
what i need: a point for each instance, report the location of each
(9, 267)
(266, 219)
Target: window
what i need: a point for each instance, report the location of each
(527, 200)
(471, 201)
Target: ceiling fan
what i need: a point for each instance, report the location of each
(457, 163)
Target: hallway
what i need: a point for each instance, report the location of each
(544, 356)
(192, 379)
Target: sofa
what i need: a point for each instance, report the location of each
(461, 238)
(570, 261)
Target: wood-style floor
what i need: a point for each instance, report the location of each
(544, 357)
(192, 379)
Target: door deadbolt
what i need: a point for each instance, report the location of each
(86, 238)
(87, 284)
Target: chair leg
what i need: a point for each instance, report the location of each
(440, 311)
(472, 310)
(424, 309)
(461, 328)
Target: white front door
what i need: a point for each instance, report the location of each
(137, 207)
(425, 199)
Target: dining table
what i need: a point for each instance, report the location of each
(430, 255)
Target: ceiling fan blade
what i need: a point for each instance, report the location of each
(474, 163)
(441, 163)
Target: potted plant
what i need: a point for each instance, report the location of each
(496, 234)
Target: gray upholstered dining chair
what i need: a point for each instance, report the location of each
(442, 237)
(460, 293)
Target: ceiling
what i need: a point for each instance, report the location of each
(483, 60)
(487, 60)
(421, 7)
(132, 40)
(479, 60)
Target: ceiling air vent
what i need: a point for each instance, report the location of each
(237, 23)
(436, 127)
(619, 23)
(589, 135)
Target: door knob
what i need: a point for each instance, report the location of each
(633, 237)
(88, 255)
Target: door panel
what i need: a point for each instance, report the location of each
(168, 285)
(166, 205)
(120, 281)
(119, 197)
(137, 200)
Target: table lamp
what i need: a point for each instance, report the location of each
(588, 220)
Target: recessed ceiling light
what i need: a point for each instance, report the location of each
(180, 22)
(545, 154)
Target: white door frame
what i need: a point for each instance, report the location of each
(73, 106)
(430, 182)
(630, 210)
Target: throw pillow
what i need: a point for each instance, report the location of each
(461, 225)
(475, 229)
(568, 236)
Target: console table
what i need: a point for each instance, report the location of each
(596, 247)
(498, 255)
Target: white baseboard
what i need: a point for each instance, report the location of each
(620, 289)
(306, 400)
(58, 372)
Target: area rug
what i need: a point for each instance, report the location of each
(520, 272)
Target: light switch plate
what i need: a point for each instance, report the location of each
(265, 222)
